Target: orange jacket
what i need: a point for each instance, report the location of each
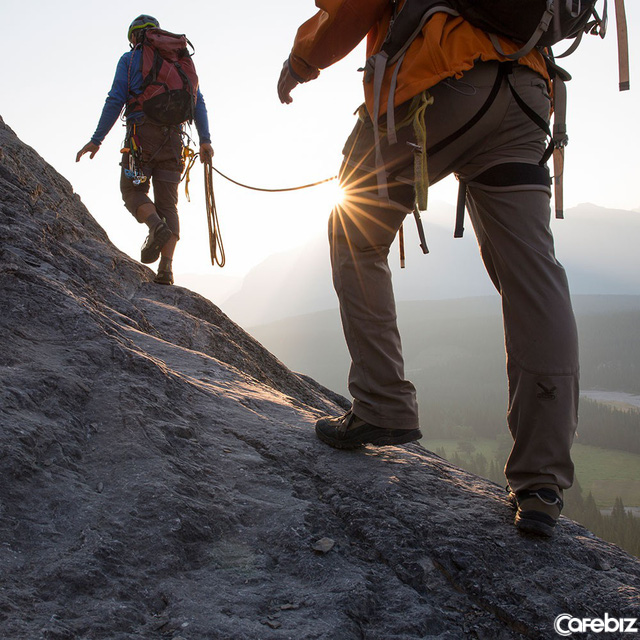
(447, 47)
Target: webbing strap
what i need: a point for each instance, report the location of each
(423, 240)
(502, 175)
(558, 189)
(558, 139)
(378, 76)
(460, 209)
(576, 43)
(541, 29)
(510, 174)
(623, 45)
(483, 109)
(503, 69)
(541, 122)
(558, 142)
(391, 116)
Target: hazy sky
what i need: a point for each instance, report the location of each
(66, 53)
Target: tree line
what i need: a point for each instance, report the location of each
(610, 351)
(604, 426)
(483, 415)
(621, 527)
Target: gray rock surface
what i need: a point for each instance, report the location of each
(159, 475)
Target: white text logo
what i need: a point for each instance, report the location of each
(566, 625)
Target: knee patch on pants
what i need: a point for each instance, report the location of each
(502, 176)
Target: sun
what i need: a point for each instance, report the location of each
(335, 193)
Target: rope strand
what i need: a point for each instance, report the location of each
(215, 239)
(246, 186)
(216, 246)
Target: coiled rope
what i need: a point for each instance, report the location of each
(216, 246)
(215, 239)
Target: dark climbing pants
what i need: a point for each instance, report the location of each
(162, 164)
(512, 225)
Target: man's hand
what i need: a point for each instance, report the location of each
(286, 84)
(206, 152)
(91, 148)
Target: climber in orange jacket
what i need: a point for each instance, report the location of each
(457, 108)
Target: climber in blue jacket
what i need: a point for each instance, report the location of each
(152, 151)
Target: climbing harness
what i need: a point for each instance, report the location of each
(559, 20)
(509, 174)
(415, 118)
(135, 175)
(134, 169)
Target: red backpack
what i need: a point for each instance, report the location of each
(169, 79)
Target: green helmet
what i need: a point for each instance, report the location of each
(142, 22)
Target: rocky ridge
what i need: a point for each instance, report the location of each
(159, 475)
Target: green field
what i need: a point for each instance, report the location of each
(606, 473)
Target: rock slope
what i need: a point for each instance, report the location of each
(159, 475)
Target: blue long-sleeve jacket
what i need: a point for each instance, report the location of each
(119, 95)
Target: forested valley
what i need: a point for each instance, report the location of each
(454, 354)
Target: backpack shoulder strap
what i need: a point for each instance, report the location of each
(541, 29)
(409, 22)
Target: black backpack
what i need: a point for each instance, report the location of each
(533, 23)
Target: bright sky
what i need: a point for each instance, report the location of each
(66, 53)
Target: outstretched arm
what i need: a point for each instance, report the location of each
(329, 36)
(90, 147)
(286, 84)
(116, 99)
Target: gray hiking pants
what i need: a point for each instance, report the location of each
(510, 216)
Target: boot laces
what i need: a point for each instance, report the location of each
(545, 497)
(346, 421)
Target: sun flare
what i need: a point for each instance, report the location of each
(335, 193)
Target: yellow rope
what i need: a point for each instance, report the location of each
(415, 117)
(215, 239)
(420, 168)
(188, 158)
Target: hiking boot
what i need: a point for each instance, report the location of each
(164, 276)
(350, 432)
(537, 509)
(157, 238)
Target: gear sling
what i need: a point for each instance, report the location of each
(537, 23)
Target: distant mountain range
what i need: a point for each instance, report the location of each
(454, 344)
(598, 247)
